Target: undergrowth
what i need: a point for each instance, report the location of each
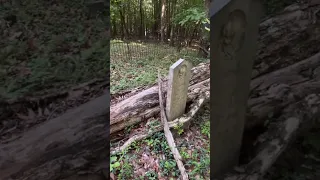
(50, 45)
(151, 158)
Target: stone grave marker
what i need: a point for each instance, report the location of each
(178, 83)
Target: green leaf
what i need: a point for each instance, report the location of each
(116, 164)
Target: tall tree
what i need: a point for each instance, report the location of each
(163, 20)
(141, 18)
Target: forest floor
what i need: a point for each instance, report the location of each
(49, 62)
(151, 158)
(134, 65)
(43, 48)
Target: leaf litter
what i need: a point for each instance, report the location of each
(53, 57)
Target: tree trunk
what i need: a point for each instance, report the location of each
(207, 6)
(77, 140)
(141, 18)
(125, 32)
(163, 20)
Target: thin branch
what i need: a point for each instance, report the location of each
(169, 136)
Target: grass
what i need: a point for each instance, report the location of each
(50, 46)
(136, 64)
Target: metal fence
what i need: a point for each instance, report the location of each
(131, 50)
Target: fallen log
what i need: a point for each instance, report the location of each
(269, 95)
(288, 37)
(59, 147)
(274, 141)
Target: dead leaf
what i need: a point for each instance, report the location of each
(112, 176)
(39, 112)
(46, 112)
(140, 172)
(23, 117)
(31, 44)
(16, 35)
(31, 114)
(75, 94)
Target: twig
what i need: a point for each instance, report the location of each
(169, 136)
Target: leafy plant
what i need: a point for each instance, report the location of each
(205, 128)
(179, 128)
(114, 163)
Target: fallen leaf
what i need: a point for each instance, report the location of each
(31, 114)
(39, 112)
(23, 117)
(75, 94)
(46, 111)
(112, 176)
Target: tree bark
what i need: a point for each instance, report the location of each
(141, 19)
(274, 141)
(59, 147)
(288, 37)
(163, 20)
(77, 141)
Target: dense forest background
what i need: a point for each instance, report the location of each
(162, 20)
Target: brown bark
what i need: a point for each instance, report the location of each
(61, 146)
(288, 37)
(273, 142)
(141, 19)
(163, 20)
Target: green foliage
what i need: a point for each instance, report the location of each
(205, 128)
(191, 16)
(169, 167)
(184, 154)
(114, 163)
(151, 175)
(179, 128)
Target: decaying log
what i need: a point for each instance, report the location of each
(269, 95)
(61, 146)
(273, 142)
(272, 92)
(287, 38)
(200, 100)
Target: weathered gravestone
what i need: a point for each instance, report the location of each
(178, 83)
(234, 33)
